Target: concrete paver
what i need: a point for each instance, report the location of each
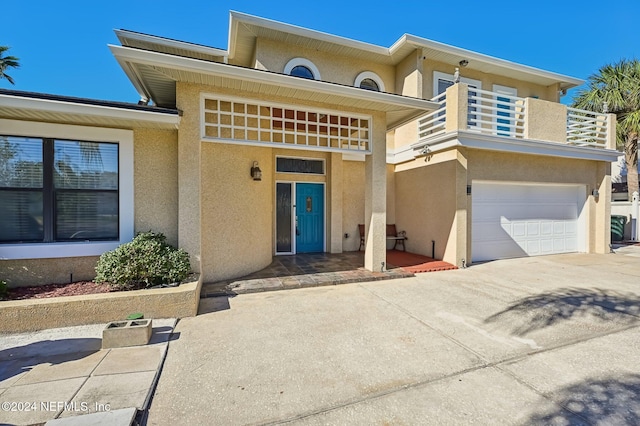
(52, 373)
(521, 341)
(113, 392)
(58, 367)
(130, 360)
(37, 402)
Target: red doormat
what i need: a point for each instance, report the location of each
(416, 263)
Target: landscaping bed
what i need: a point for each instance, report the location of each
(57, 290)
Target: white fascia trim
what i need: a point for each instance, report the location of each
(124, 139)
(522, 146)
(224, 70)
(401, 154)
(470, 55)
(135, 79)
(175, 44)
(19, 102)
(239, 17)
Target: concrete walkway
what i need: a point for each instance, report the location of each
(64, 374)
(544, 340)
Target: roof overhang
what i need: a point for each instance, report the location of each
(521, 146)
(244, 29)
(19, 107)
(158, 72)
(477, 61)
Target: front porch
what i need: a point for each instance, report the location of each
(322, 269)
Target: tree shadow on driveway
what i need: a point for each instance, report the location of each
(546, 309)
(611, 401)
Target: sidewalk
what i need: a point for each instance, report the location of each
(63, 373)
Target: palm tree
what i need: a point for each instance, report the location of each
(7, 62)
(616, 88)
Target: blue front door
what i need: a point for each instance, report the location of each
(309, 217)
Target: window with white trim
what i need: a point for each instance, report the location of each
(54, 190)
(303, 68)
(369, 81)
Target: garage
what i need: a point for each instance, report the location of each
(522, 219)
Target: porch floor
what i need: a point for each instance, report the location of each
(321, 269)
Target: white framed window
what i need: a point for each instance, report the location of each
(301, 67)
(76, 198)
(441, 81)
(370, 81)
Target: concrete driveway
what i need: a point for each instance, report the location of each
(544, 340)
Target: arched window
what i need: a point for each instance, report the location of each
(301, 67)
(369, 81)
(302, 71)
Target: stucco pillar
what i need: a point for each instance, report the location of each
(602, 218)
(457, 107)
(187, 100)
(461, 228)
(545, 121)
(335, 177)
(375, 199)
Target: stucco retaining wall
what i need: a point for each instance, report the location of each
(39, 314)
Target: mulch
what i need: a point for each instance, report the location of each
(56, 290)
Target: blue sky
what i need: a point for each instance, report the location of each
(62, 45)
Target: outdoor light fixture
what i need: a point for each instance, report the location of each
(463, 63)
(595, 193)
(256, 173)
(605, 107)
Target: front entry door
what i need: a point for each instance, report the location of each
(309, 213)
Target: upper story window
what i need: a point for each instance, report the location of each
(369, 81)
(58, 190)
(301, 67)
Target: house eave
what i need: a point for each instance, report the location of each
(29, 108)
(402, 108)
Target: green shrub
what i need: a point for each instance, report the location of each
(144, 262)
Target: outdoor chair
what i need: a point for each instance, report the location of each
(392, 234)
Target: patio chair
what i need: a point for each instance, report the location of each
(392, 234)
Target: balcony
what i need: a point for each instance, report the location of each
(491, 120)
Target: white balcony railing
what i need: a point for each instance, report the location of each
(495, 114)
(433, 123)
(586, 128)
(504, 115)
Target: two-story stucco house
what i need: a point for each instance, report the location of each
(287, 140)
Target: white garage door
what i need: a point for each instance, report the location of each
(517, 220)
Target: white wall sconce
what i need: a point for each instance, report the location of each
(256, 173)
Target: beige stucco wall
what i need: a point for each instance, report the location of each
(27, 272)
(156, 182)
(237, 212)
(273, 56)
(409, 82)
(425, 204)
(352, 203)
